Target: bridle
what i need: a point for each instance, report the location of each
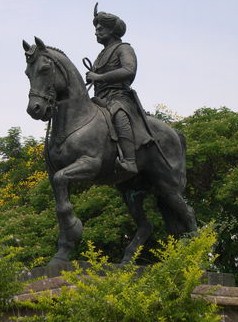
(50, 96)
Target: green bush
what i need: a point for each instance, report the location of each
(10, 271)
(108, 224)
(106, 220)
(104, 215)
(35, 233)
(212, 172)
(161, 292)
(41, 196)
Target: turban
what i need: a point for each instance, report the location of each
(111, 21)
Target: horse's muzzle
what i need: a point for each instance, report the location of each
(37, 112)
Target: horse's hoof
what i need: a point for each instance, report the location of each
(57, 261)
(122, 264)
(124, 261)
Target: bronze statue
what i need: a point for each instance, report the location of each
(81, 144)
(112, 74)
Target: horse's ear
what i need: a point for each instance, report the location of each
(40, 44)
(25, 45)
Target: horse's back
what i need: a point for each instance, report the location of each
(164, 164)
(171, 142)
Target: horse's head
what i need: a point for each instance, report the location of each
(48, 79)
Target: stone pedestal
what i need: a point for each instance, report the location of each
(219, 288)
(216, 288)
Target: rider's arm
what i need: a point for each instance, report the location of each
(128, 68)
(127, 71)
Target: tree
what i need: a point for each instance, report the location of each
(212, 172)
(21, 167)
(165, 114)
(212, 190)
(10, 146)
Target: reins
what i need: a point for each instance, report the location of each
(88, 64)
(46, 148)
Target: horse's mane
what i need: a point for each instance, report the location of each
(57, 49)
(68, 64)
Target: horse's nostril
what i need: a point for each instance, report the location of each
(36, 108)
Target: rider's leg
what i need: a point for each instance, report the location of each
(126, 141)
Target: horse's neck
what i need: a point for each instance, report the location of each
(74, 105)
(72, 112)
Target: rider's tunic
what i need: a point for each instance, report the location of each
(117, 93)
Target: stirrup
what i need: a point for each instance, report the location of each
(129, 166)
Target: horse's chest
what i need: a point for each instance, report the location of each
(59, 155)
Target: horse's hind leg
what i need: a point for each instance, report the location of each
(178, 216)
(134, 201)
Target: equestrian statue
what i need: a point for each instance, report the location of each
(107, 139)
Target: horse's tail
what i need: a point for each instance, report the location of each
(182, 140)
(183, 177)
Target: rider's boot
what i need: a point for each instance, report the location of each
(126, 142)
(128, 150)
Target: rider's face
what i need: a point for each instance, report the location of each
(103, 34)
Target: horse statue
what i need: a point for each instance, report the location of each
(80, 147)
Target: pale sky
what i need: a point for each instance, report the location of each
(187, 50)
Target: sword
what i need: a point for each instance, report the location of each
(145, 120)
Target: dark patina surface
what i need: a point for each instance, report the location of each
(138, 154)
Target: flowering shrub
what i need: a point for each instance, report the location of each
(10, 271)
(21, 168)
(161, 292)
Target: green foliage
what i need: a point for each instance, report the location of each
(10, 271)
(41, 196)
(23, 182)
(212, 158)
(36, 234)
(27, 205)
(109, 225)
(105, 218)
(28, 215)
(10, 146)
(166, 115)
(161, 292)
(21, 167)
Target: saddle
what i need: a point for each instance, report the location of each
(102, 105)
(141, 135)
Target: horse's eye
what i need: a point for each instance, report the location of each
(44, 68)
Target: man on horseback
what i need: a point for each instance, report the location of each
(112, 74)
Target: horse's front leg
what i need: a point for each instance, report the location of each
(70, 227)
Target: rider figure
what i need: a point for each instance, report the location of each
(112, 74)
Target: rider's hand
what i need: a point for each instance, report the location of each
(93, 77)
(88, 81)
